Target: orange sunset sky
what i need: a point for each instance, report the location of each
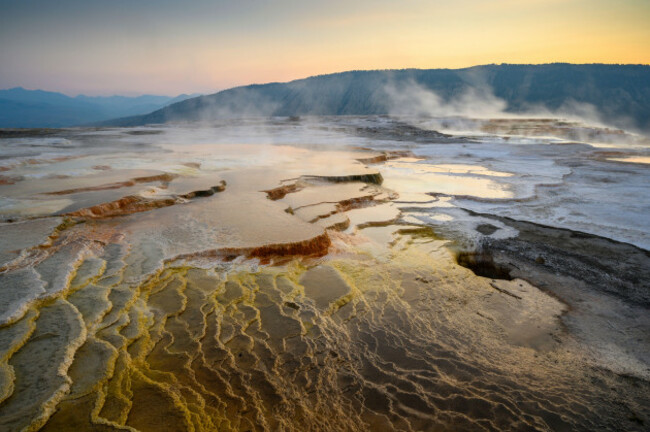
(171, 47)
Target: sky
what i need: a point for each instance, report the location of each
(131, 47)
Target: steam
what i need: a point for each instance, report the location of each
(460, 108)
(476, 102)
(412, 99)
(239, 103)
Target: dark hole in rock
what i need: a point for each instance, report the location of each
(482, 264)
(486, 229)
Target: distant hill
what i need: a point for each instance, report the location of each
(21, 108)
(618, 94)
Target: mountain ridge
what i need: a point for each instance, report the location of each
(23, 108)
(619, 94)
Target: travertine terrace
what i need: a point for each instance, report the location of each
(320, 274)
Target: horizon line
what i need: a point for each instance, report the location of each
(198, 94)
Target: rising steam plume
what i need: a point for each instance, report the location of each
(611, 94)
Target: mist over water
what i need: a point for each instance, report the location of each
(331, 235)
(327, 273)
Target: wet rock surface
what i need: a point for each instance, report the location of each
(615, 268)
(342, 278)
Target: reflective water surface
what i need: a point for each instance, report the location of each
(298, 275)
